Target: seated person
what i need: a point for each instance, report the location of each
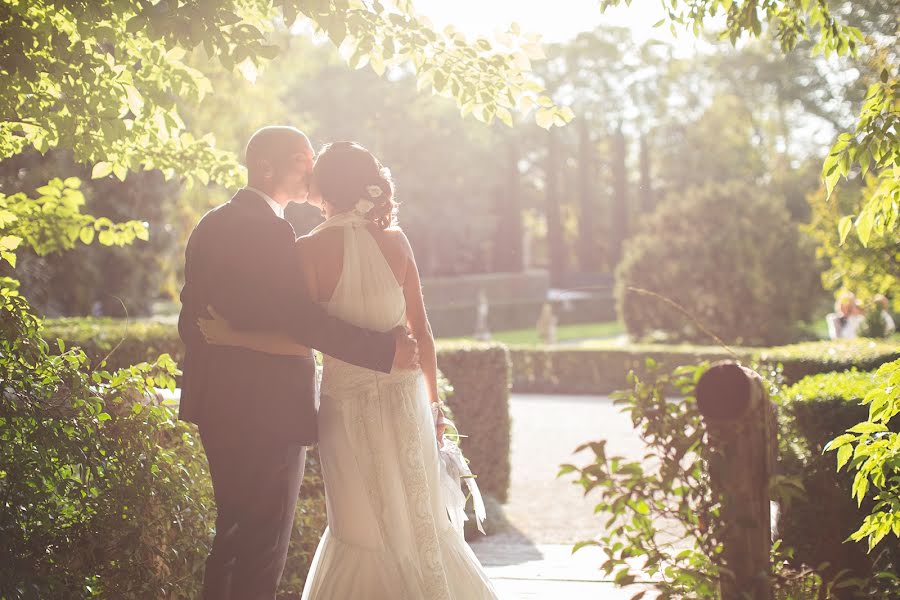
(844, 322)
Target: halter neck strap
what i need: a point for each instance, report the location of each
(351, 217)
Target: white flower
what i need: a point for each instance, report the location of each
(364, 206)
(374, 191)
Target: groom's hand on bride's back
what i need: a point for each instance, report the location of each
(406, 354)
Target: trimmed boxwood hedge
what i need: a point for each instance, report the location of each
(478, 373)
(811, 413)
(594, 369)
(811, 358)
(600, 368)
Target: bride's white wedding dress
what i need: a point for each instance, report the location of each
(388, 535)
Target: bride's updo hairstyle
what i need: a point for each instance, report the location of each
(347, 173)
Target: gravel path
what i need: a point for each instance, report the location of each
(532, 557)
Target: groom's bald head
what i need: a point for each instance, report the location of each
(278, 159)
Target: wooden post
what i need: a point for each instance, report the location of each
(741, 429)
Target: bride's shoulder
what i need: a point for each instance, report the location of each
(318, 238)
(396, 234)
(315, 244)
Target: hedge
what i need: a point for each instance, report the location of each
(479, 374)
(600, 368)
(811, 358)
(816, 524)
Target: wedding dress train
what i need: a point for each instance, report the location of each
(388, 535)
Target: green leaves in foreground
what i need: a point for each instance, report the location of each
(873, 152)
(489, 79)
(94, 467)
(637, 501)
(873, 451)
(52, 221)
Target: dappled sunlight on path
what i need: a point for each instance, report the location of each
(532, 556)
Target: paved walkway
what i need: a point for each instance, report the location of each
(532, 557)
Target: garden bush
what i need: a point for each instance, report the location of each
(817, 523)
(706, 249)
(595, 369)
(103, 494)
(478, 374)
(106, 494)
(663, 517)
(601, 368)
(811, 358)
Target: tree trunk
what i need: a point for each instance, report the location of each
(619, 220)
(587, 239)
(556, 243)
(647, 201)
(507, 245)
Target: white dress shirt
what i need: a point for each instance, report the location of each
(276, 208)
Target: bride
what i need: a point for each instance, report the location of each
(389, 536)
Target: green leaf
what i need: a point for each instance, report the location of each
(10, 242)
(868, 427)
(544, 118)
(101, 169)
(843, 455)
(120, 171)
(844, 227)
(864, 223)
(86, 235)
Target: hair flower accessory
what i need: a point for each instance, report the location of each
(374, 191)
(363, 206)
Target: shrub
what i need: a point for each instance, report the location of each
(816, 524)
(664, 517)
(126, 342)
(478, 374)
(635, 500)
(810, 358)
(103, 495)
(595, 369)
(309, 523)
(730, 256)
(603, 367)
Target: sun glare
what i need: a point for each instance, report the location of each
(554, 21)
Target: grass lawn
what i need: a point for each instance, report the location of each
(580, 331)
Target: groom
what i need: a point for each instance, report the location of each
(255, 411)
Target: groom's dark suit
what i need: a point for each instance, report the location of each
(256, 411)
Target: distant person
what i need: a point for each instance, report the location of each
(845, 321)
(546, 324)
(881, 304)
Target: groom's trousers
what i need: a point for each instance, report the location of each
(256, 489)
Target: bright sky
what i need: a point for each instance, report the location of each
(556, 21)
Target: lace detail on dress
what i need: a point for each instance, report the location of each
(421, 515)
(393, 539)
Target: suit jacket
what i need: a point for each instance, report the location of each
(241, 259)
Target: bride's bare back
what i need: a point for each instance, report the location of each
(321, 258)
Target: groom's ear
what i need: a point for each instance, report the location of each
(262, 168)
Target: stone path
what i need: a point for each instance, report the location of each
(532, 558)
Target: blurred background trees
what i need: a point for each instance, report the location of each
(653, 122)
